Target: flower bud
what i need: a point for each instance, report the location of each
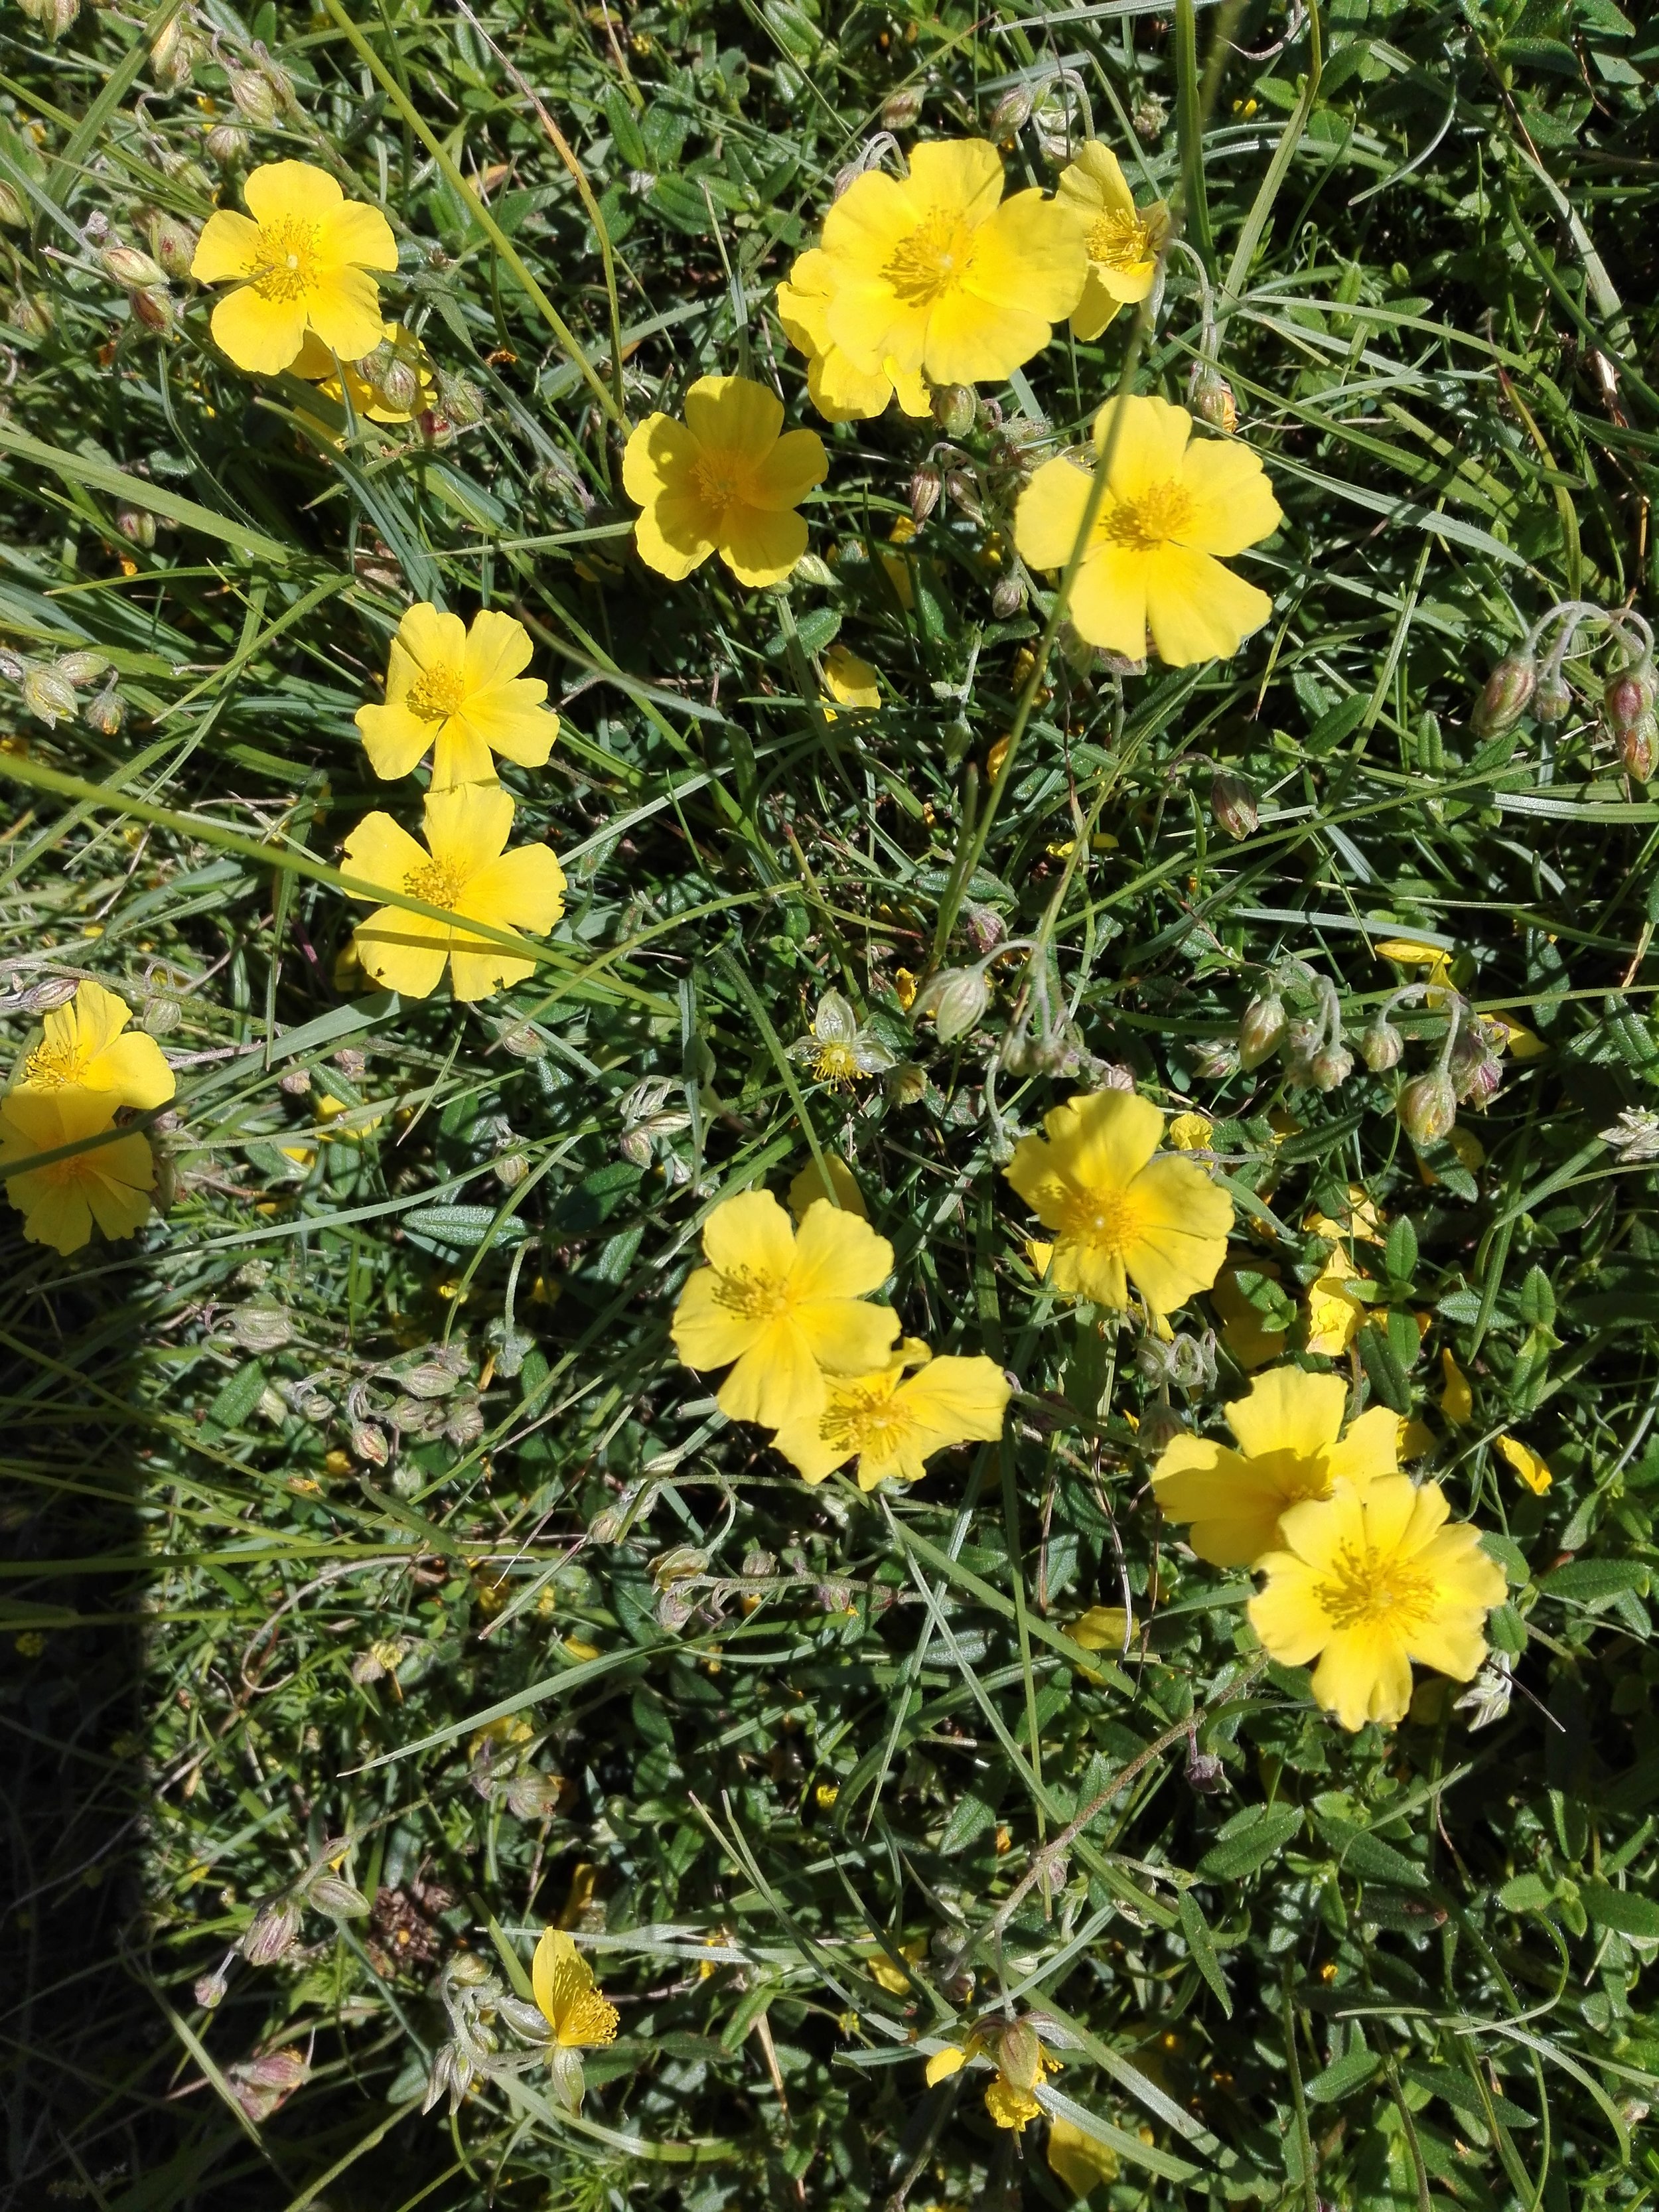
(1210, 397)
(136, 524)
(398, 385)
(154, 309)
(1232, 802)
(48, 697)
(533, 1796)
(908, 1083)
(1552, 701)
(955, 408)
(271, 1931)
(210, 1991)
(460, 401)
(1205, 1772)
(1475, 1070)
(1330, 1066)
(528, 2020)
(1637, 745)
(173, 53)
(674, 1608)
(262, 1328)
(1008, 598)
(225, 143)
(924, 483)
(1215, 1059)
(1260, 1029)
(1160, 1426)
(368, 1443)
(523, 1040)
(130, 267)
(105, 712)
(1504, 699)
(1019, 2056)
(255, 96)
(451, 2076)
(33, 314)
(162, 1015)
(1427, 1107)
(565, 2065)
(14, 208)
(80, 667)
(900, 109)
(57, 991)
(1629, 695)
(955, 998)
(341, 1900)
(1303, 1039)
(173, 240)
(1382, 1046)
(1011, 112)
(1148, 116)
(296, 1083)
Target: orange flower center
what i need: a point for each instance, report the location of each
(932, 260)
(722, 480)
(1369, 1589)
(1109, 1220)
(286, 258)
(1156, 515)
(435, 694)
(435, 882)
(752, 1297)
(1118, 241)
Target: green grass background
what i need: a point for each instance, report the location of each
(1372, 1971)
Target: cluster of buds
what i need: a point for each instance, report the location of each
(275, 1928)
(1467, 1070)
(1524, 681)
(1310, 1041)
(482, 2012)
(49, 689)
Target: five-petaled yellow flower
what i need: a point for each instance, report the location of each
(458, 693)
(839, 391)
(110, 1184)
(939, 272)
(1120, 1216)
(300, 260)
(1367, 1583)
(892, 1424)
(1122, 240)
(467, 871)
(1174, 509)
(88, 1046)
(726, 480)
(579, 2015)
(784, 1308)
(1290, 1447)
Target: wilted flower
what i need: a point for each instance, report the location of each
(1635, 1135)
(839, 1049)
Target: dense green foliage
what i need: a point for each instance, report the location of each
(377, 1432)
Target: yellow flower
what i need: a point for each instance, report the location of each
(59, 1204)
(466, 870)
(1516, 1037)
(1290, 1447)
(1009, 2105)
(342, 379)
(943, 2064)
(1247, 1337)
(1101, 1629)
(840, 392)
(579, 2015)
(300, 260)
(1412, 952)
(808, 1187)
(1457, 1399)
(1082, 2161)
(1122, 240)
(84, 1048)
(1191, 1132)
(1413, 1439)
(838, 1047)
(1173, 511)
(904, 988)
(852, 681)
(723, 480)
(784, 1308)
(892, 1424)
(1119, 1215)
(1365, 1584)
(1531, 1470)
(1334, 1314)
(939, 273)
(458, 694)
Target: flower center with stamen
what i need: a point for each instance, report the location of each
(437, 883)
(835, 1063)
(932, 261)
(50, 1066)
(752, 1297)
(1118, 241)
(863, 1417)
(1109, 1220)
(1156, 515)
(285, 258)
(1366, 1589)
(435, 694)
(722, 481)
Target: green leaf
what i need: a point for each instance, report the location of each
(1367, 1856)
(1349, 2072)
(1201, 1946)
(1624, 1910)
(1248, 1840)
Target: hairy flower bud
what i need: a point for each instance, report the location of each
(398, 385)
(341, 1900)
(1553, 699)
(1427, 1107)
(460, 400)
(1205, 1772)
(1382, 1046)
(173, 53)
(1260, 1029)
(128, 265)
(209, 1990)
(1011, 112)
(1149, 115)
(14, 208)
(1629, 695)
(924, 483)
(1008, 598)
(451, 2076)
(1160, 1426)
(173, 240)
(1210, 397)
(255, 96)
(1330, 1066)
(271, 1931)
(136, 524)
(47, 696)
(900, 109)
(225, 143)
(955, 998)
(56, 991)
(565, 2065)
(1475, 1070)
(1505, 696)
(1019, 2056)
(261, 1326)
(533, 1796)
(955, 407)
(369, 1444)
(1232, 802)
(1636, 746)
(80, 667)
(1215, 1059)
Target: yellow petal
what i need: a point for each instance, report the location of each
(808, 1187)
(1456, 1398)
(943, 2064)
(1196, 610)
(1232, 502)
(850, 680)
(838, 1255)
(379, 852)
(227, 249)
(1289, 1410)
(1049, 515)
(760, 546)
(1082, 2161)
(261, 336)
(297, 192)
(734, 416)
(1532, 1471)
(466, 828)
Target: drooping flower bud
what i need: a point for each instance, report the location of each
(105, 712)
(209, 1990)
(1215, 1059)
(1210, 397)
(1008, 598)
(369, 1444)
(1160, 1426)
(1636, 746)
(225, 143)
(900, 109)
(955, 998)
(565, 2065)
(925, 485)
(961, 489)
(173, 240)
(460, 401)
(399, 386)
(255, 96)
(136, 524)
(131, 266)
(1205, 1772)
(1330, 1068)
(1504, 697)
(1011, 112)
(955, 409)
(341, 1900)
(1475, 1070)
(271, 1931)
(33, 314)
(1628, 696)
(1019, 2056)
(1553, 699)
(1303, 1039)
(533, 1796)
(1149, 115)
(1232, 802)
(152, 308)
(1382, 1046)
(14, 208)
(161, 1016)
(173, 53)
(1427, 1107)
(83, 667)
(1260, 1029)
(47, 696)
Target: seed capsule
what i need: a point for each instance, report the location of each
(1552, 701)
(900, 109)
(128, 265)
(1382, 1046)
(1260, 1029)
(1232, 802)
(1505, 696)
(1427, 1107)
